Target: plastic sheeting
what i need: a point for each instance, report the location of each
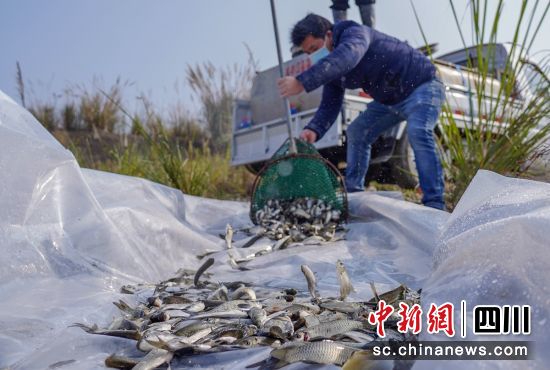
(72, 237)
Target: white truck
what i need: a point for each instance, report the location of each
(259, 124)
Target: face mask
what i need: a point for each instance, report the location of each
(319, 54)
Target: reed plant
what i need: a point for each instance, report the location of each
(173, 148)
(507, 125)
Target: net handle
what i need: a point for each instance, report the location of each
(281, 74)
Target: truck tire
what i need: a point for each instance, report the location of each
(254, 168)
(402, 164)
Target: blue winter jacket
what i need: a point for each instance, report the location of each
(384, 67)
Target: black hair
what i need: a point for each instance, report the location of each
(312, 24)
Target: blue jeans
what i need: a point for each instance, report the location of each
(421, 110)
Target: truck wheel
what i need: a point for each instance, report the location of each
(403, 165)
(254, 168)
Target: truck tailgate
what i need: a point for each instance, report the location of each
(259, 142)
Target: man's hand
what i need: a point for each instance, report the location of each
(289, 86)
(308, 135)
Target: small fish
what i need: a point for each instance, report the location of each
(324, 352)
(281, 244)
(120, 362)
(345, 283)
(238, 304)
(205, 266)
(60, 364)
(295, 307)
(244, 293)
(221, 293)
(129, 334)
(233, 263)
(188, 328)
(376, 298)
(250, 242)
(311, 283)
(254, 341)
(196, 307)
(280, 327)
(154, 359)
(331, 328)
(393, 295)
(135, 313)
(365, 360)
(230, 314)
(228, 236)
(197, 335)
(257, 315)
(121, 323)
(205, 254)
(359, 337)
(313, 240)
(339, 306)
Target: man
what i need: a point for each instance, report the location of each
(400, 79)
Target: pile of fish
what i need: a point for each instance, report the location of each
(299, 219)
(187, 315)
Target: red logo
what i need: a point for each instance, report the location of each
(379, 316)
(440, 318)
(411, 318)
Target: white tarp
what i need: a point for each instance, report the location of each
(72, 237)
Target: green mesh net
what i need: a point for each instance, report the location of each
(292, 176)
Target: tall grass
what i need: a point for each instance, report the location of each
(216, 90)
(505, 132)
(173, 148)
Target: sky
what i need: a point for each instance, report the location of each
(64, 43)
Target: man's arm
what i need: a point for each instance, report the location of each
(331, 103)
(352, 46)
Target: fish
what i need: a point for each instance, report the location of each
(60, 364)
(311, 283)
(221, 293)
(132, 312)
(283, 323)
(345, 283)
(129, 334)
(376, 298)
(253, 239)
(222, 314)
(196, 336)
(233, 263)
(185, 315)
(244, 291)
(281, 243)
(188, 328)
(205, 266)
(121, 323)
(299, 218)
(339, 306)
(228, 236)
(120, 362)
(195, 307)
(257, 315)
(330, 329)
(323, 352)
(365, 360)
(393, 295)
(236, 304)
(154, 359)
(205, 254)
(256, 340)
